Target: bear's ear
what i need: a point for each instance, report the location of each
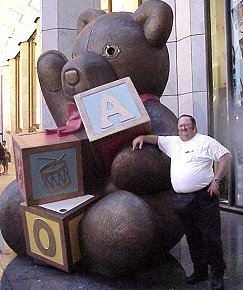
(157, 18)
(87, 16)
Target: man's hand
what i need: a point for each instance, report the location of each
(138, 142)
(214, 188)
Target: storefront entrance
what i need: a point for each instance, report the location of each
(226, 43)
(236, 10)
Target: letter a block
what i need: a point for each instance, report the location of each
(113, 115)
(51, 231)
(48, 167)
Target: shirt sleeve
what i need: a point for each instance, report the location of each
(216, 150)
(165, 144)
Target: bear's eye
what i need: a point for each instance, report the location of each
(111, 51)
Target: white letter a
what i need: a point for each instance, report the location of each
(115, 108)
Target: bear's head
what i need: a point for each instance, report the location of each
(120, 44)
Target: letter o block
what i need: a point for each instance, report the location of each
(51, 231)
(42, 225)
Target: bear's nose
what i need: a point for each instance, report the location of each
(71, 77)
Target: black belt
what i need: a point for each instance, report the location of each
(195, 192)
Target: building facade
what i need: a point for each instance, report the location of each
(205, 51)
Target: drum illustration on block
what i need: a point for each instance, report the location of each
(55, 174)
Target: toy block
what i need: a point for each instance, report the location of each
(51, 231)
(113, 115)
(48, 167)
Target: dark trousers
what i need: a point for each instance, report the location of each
(200, 217)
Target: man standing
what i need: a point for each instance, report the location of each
(2, 154)
(6, 157)
(197, 189)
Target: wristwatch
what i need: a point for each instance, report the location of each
(216, 179)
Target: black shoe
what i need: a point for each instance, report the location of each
(218, 283)
(196, 278)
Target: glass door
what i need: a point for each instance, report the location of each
(236, 10)
(218, 92)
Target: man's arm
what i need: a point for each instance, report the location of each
(138, 141)
(223, 166)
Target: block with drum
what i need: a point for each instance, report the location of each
(51, 231)
(48, 167)
(113, 115)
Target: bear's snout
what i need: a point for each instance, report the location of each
(86, 71)
(71, 77)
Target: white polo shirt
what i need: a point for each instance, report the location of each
(191, 161)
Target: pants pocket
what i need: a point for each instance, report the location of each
(181, 203)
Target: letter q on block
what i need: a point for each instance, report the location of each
(111, 108)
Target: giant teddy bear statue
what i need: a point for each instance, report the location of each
(133, 224)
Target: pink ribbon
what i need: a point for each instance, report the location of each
(73, 125)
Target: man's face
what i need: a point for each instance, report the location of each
(186, 129)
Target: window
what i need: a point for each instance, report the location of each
(226, 32)
(236, 11)
(218, 94)
(120, 5)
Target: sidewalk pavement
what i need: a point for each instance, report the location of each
(6, 179)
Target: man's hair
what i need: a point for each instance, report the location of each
(191, 118)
